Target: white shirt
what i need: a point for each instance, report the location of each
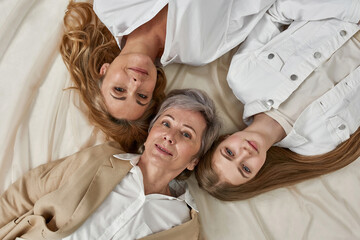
(197, 31)
(268, 67)
(127, 213)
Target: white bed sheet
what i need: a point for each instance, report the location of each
(41, 122)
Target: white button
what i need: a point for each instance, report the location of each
(271, 56)
(317, 55)
(270, 102)
(293, 77)
(342, 127)
(343, 33)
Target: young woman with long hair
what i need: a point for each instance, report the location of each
(301, 91)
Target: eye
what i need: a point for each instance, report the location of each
(142, 96)
(119, 89)
(187, 135)
(166, 124)
(229, 152)
(246, 169)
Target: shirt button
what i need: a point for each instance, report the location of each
(271, 56)
(293, 77)
(269, 102)
(317, 55)
(342, 127)
(343, 33)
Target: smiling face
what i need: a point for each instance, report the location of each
(239, 157)
(175, 139)
(128, 85)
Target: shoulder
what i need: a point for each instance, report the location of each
(89, 156)
(104, 149)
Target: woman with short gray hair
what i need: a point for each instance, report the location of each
(198, 101)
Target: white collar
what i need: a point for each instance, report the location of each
(132, 157)
(179, 188)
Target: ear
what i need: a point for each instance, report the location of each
(104, 68)
(192, 164)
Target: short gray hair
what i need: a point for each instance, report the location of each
(197, 101)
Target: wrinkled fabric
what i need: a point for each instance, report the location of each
(40, 122)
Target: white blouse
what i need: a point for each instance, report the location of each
(127, 213)
(197, 31)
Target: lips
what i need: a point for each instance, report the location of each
(163, 150)
(139, 70)
(253, 145)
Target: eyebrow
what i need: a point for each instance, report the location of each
(123, 99)
(188, 126)
(225, 156)
(240, 171)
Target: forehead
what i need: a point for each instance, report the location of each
(218, 162)
(186, 117)
(226, 170)
(124, 109)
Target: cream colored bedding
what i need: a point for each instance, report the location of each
(41, 122)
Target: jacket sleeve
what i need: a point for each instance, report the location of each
(286, 11)
(21, 196)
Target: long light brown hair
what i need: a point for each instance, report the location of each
(282, 168)
(86, 45)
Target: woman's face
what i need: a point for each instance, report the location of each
(175, 139)
(128, 85)
(239, 157)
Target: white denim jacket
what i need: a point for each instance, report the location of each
(269, 66)
(197, 31)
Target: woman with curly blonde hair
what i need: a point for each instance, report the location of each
(87, 49)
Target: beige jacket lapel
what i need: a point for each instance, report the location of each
(189, 231)
(85, 192)
(104, 181)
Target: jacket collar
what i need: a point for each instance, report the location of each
(108, 175)
(180, 188)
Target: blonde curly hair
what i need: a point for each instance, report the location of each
(86, 45)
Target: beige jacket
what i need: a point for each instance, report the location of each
(54, 199)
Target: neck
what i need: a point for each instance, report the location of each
(269, 129)
(155, 180)
(149, 38)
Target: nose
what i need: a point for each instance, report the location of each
(133, 85)
(242, 156)
(169, 138)
(135, 80)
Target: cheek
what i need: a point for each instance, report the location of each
(150, 85)
(155, 133)
(146, 143)
(148, 139)
(260, 162)
(191, 150)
